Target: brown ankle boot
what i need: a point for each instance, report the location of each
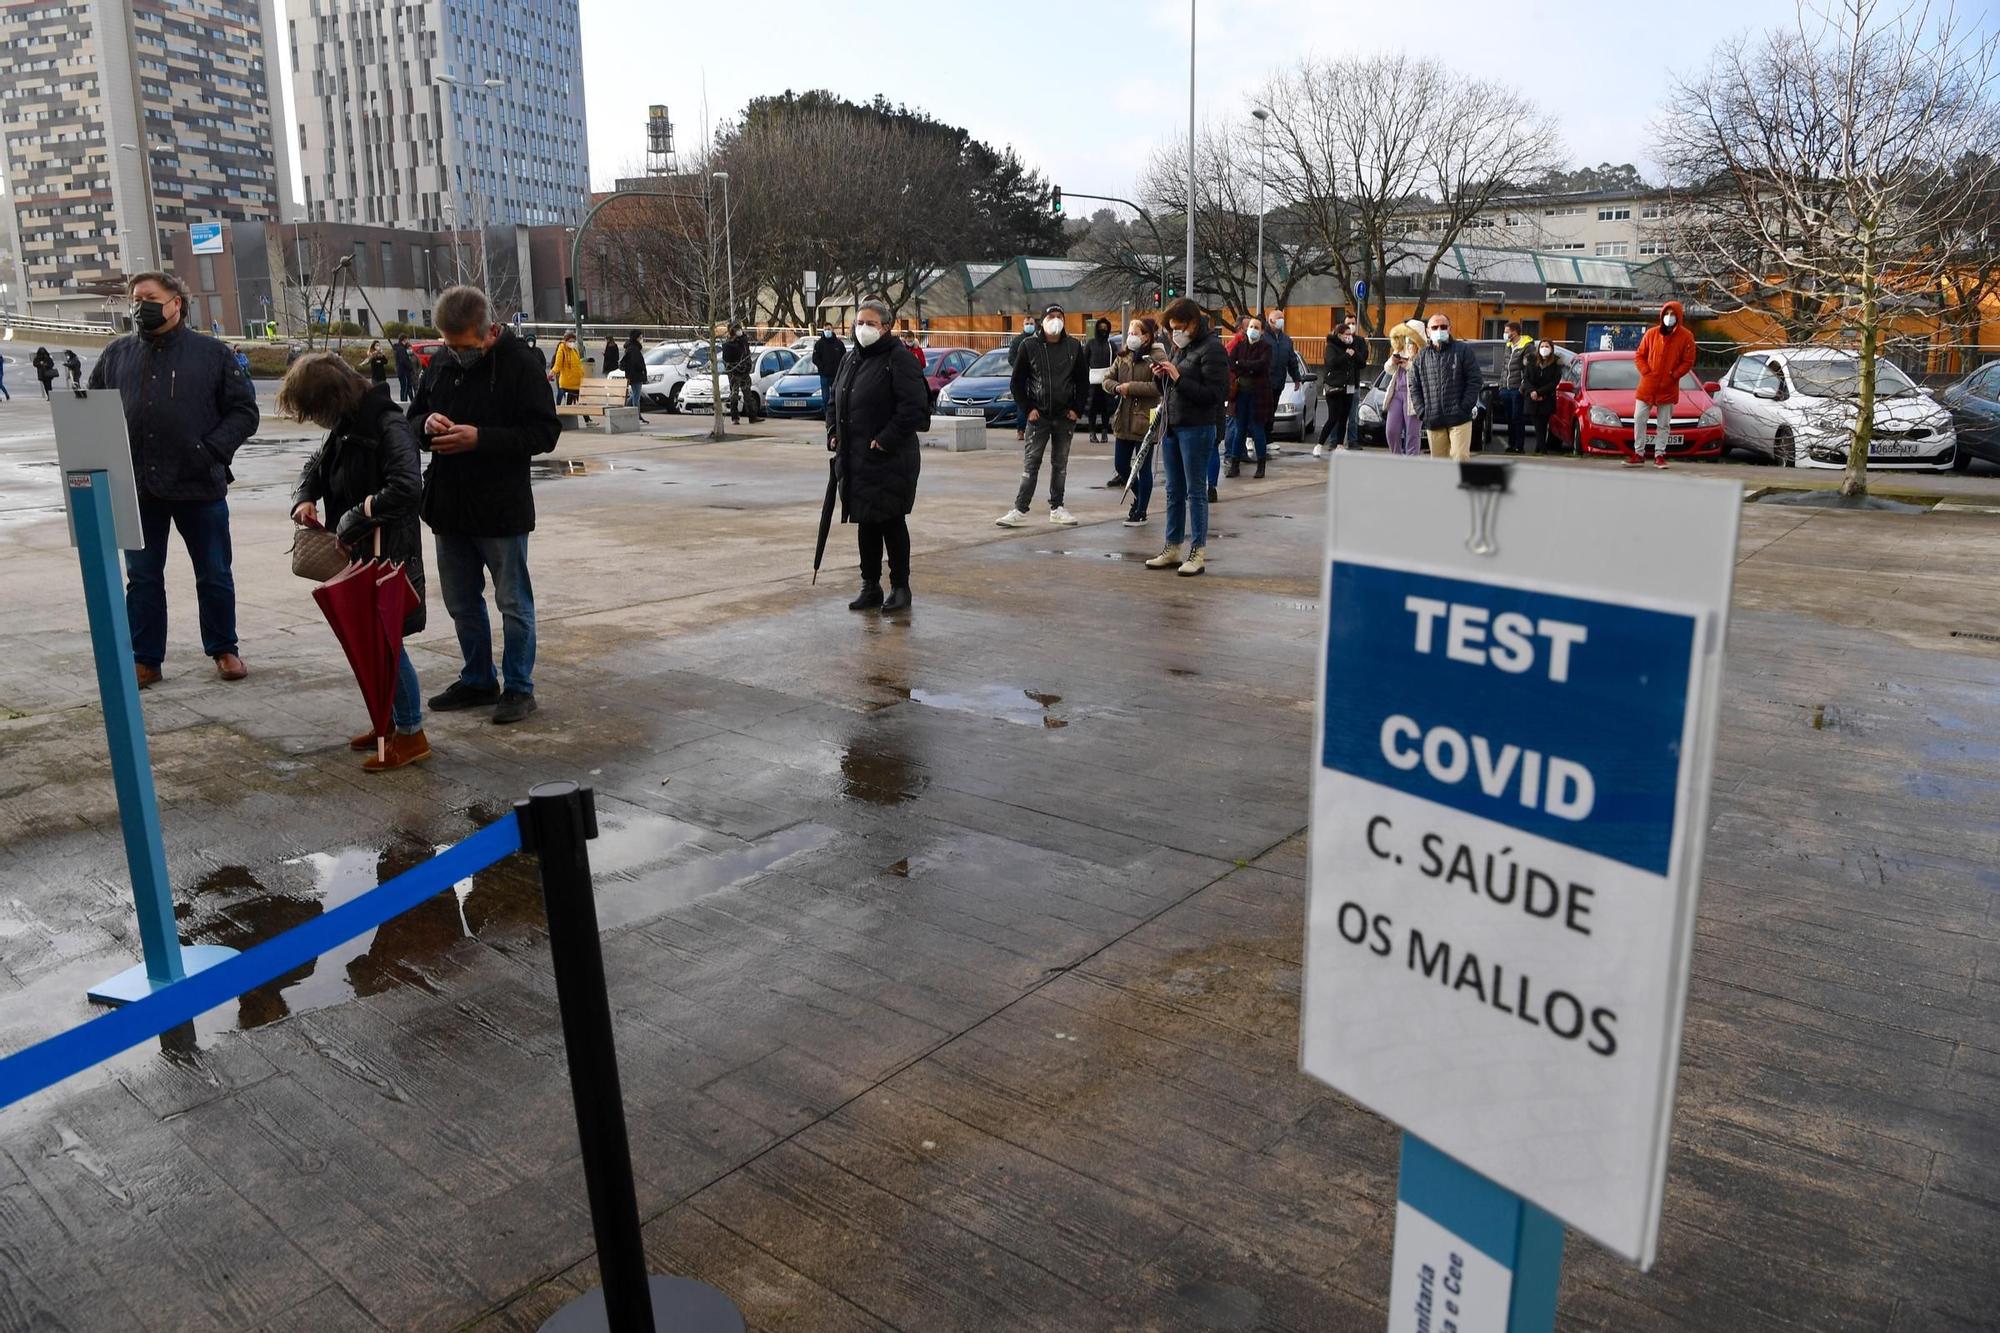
(400, 750)
(365, 741)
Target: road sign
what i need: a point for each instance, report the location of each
(1361, 289)
(1510, 792)
(206, 237)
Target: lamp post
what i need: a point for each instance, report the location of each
(1263, 191)
(728, 241)
(146, 185)
(485, 87)
(1190, 154)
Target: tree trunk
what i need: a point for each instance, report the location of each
(1855, 484)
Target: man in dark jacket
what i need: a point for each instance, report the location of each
(1445, 383)
(1194, 380)
(1345, 370)
(1027, 335)
(1514, 349)
(406, 369)
(1051, 385)
(736, 359)
(1101, 355)
(879, 404)
(633, 363)
(483, 409)
(183, 438)
(827, 354)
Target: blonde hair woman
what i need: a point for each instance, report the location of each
(1401, 427)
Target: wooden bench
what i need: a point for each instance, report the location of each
(602, 402)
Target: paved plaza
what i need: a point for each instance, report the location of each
(956, 959)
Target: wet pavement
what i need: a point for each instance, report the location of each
(954, 957)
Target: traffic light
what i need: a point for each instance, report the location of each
(1171, 293)
(1055, 200)
(1156, 296)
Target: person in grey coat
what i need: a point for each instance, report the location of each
(1051, 385)
(1445, 383)
(188, 408)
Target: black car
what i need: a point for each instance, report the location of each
(1974, 402)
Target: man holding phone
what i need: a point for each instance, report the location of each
(482, 411)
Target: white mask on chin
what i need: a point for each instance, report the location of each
(866, 334)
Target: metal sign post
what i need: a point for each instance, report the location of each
(104, 515)
(1509, 801)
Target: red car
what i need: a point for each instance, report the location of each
(942, 365)
(421, 349)
(1594, 409)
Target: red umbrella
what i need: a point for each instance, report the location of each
(365, 605)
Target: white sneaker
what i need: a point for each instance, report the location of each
(1319, 451)
(1062, 517)
(1013, 518)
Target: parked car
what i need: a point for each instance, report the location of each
(942, 365)
(1974, 404)
(1594, 405)
(981, 391)
(1298, 410)
(1795, 406)
(796, 394)
(421, 350)
(768, 366)
(667, 372)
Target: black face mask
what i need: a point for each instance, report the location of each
(467, 357)
(150, 316)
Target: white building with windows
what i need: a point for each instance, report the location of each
(439, 113)
(1599, 224)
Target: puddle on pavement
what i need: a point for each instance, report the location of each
(667, 887)
(1092, 555)
(1025, 708)
(555, 468)
(878, 776)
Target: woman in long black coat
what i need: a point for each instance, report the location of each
(634, 366)
(879, 404)
(367, 472)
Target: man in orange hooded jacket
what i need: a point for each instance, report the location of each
(1665, 354)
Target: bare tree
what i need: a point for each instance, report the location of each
(1836, 170)
(1385, 161)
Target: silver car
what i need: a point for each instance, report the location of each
(770, 365)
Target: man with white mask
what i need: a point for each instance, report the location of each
(1051, 387)
(1445, 383)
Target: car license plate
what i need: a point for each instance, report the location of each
(972, 411)
(1676, 441)
(1893, 448)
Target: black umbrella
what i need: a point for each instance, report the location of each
(826, 512)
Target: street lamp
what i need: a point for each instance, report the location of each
(146, 184)
(1263, 190)
(1190, 155)
(484, 87)
(728, 240)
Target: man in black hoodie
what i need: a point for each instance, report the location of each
(188, 408)
(1051, 387)
(483, 410)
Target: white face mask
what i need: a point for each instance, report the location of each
(1253, 334)
(1277, 321)
(1439, 337)
(1667, 320)
(866, 334)
(1052, 326)
(1136, 340)
(1546, 350)
(1182, 337)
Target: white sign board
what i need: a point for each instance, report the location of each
(1441, 1282)
(205, 237)
(90, 436)
(1510, 790)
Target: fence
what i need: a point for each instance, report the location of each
(555, 823)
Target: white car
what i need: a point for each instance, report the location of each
(1795, 406)
(770, 366)
(1299, 410)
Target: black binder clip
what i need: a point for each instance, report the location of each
(1484, 483)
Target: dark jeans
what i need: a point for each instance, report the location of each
(1510, 412)
(1187, 452)
(895, 536)
(742, 398)
(1540, 418)
(406, 710)
(635, 395)
(1248, 422)
(204, 526)
(1100, 412)
(462, 566)
(403, 385)
(1127, 453)
(1339, 409)
(1049, 433)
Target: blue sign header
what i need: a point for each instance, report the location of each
(1556, 715)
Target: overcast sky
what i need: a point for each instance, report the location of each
(1083, 90)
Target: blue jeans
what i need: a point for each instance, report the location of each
(633, 394)
(204, 526)
(462, 566)
(1510, 412)
(406, 710)
(1245, 420)
(1188, 452)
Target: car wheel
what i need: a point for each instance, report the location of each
(1784, 452)
(1576, 439)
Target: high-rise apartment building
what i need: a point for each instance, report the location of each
(439, 113)
(124, 123)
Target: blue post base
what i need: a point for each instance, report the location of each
(680, 1305)
(1460, 1213)
(133, 983)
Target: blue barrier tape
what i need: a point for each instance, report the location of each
(51, 1061)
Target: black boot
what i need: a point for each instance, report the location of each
(870, 598)
(899, 599)
(1235, 468)
(1213, 495)
(1259, 473)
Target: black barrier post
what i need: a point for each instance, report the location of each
(556, 821)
